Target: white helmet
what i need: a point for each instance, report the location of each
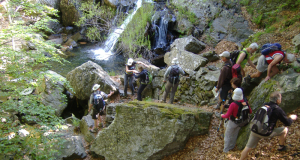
(130, 61)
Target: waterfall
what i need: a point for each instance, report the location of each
(162, 33)
(106, 51)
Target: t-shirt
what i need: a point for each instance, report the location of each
(132, 67)
(243, 63)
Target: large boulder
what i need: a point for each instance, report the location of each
(72, 149)
(51, 3)
(85, 124)
(52, 89)
(83, 77)
(189, 43)
(148, 130)
(287, 83)
(188, 61)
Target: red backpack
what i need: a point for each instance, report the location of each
(236, 71)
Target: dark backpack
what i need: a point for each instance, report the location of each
(174, 75)
(269, 48)
(260, 122)
(242, 118)
(98, 101)
(235, 54)
(148, 78)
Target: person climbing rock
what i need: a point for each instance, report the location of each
(97, 103)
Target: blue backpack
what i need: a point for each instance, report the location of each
(98, 101)
(269, 48)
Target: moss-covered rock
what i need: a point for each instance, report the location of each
(149, 130)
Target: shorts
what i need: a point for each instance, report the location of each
(224, 91)
(254, 138)
(95, 112)
(262, 65)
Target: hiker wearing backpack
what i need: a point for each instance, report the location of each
(172, 74)
(224, 80)
(269, 113)
(269, 60)
(129, 74)
(244, 56)
(143, 75)
(97, 102)
(238, 115)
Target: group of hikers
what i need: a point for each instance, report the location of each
(230, 79)
(265, 118)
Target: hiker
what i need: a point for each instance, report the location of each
(269, 63)
(129, 72)
(172, 74)
(235, 83)
(97, 102)
(142, 75)
(232, 129)
(276, 114)
(244, 57)
(224, 79)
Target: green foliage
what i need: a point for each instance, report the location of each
(133, 38)
(148, 99)
(97, 19)
(184, 12)
(25, 66)
(112, 73)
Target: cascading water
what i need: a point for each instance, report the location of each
(106, 51)
(161, 33)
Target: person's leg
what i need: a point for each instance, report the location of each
(244, 153)
(174, 89)
(139, 94)
(256, 74)
(168, 86)
(282, 137)
(252, 143)
(131, 78)
(274, 71)
(125, 84)
(231, 134)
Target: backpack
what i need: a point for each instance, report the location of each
(236, 71)
(269, 48)
(260, 122)
(174, 75)
(148, 78)
(235, 54)
(242, 118)
(98, 101)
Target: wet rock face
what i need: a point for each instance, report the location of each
(147, 130)
(83, 78)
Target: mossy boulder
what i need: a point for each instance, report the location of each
(148, 130)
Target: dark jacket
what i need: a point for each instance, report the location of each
(142, 76)
(225, 75)
(277, 113)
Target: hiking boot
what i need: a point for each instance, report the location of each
(283, 148)
(247, 79)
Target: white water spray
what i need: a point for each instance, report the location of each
(105, 52)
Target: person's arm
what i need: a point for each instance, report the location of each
(91, 102)
(139, 62)
(251, 63)
(276, 60)
(287, 121)
(241, 57)
(225, 70)
(181, 71)
(229, 111)
(167, 73)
